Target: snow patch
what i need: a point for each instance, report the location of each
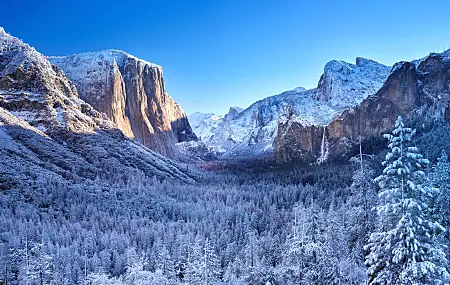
(60, 117)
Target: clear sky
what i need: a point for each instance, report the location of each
(221, 53)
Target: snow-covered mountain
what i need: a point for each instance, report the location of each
(46, 128)
(417, 90)
(252, 131)
(204, 124)
(131, 92)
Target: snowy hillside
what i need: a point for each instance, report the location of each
(251, 132)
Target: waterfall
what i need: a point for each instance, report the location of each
(323, 148)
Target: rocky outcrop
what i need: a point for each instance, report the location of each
(417, 90)
(45, 128)
(131, 93)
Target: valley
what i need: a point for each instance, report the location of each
(104, 179)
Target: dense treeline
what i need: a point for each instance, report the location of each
(247, 224)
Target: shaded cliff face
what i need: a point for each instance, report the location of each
(47, 129)
(131, 93)
(417, 90)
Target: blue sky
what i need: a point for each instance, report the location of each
(221, 53)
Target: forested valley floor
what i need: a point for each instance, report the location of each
(247, 223)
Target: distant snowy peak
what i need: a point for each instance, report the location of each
(197, 117)
(235, 109)
(233, 112)
(203, 124)
(344, 84)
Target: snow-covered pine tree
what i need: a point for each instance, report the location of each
(194, 260)
(441, 180)
(403, 249)
(165, 264)
(42, 263)
(135, 268)
(363, 199)
(295, 261)
(210, 266)
(306, 247)
(253, 267)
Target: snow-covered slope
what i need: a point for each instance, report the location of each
(251, 132)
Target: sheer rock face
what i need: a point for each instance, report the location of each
(416, 90)
(131, 93)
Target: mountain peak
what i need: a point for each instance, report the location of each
(338, 66)
(116, 83)
(343, 83)
(233, 112)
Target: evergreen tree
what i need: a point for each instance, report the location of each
(363, 199)
(315, 247)
(42, 264)
(135, 272)
(193, 275)
(210, 266)
(296, 259)
(165, 264)
(441, 180)
(403, 250)
(253, 267)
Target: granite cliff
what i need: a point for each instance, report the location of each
(131, 92)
